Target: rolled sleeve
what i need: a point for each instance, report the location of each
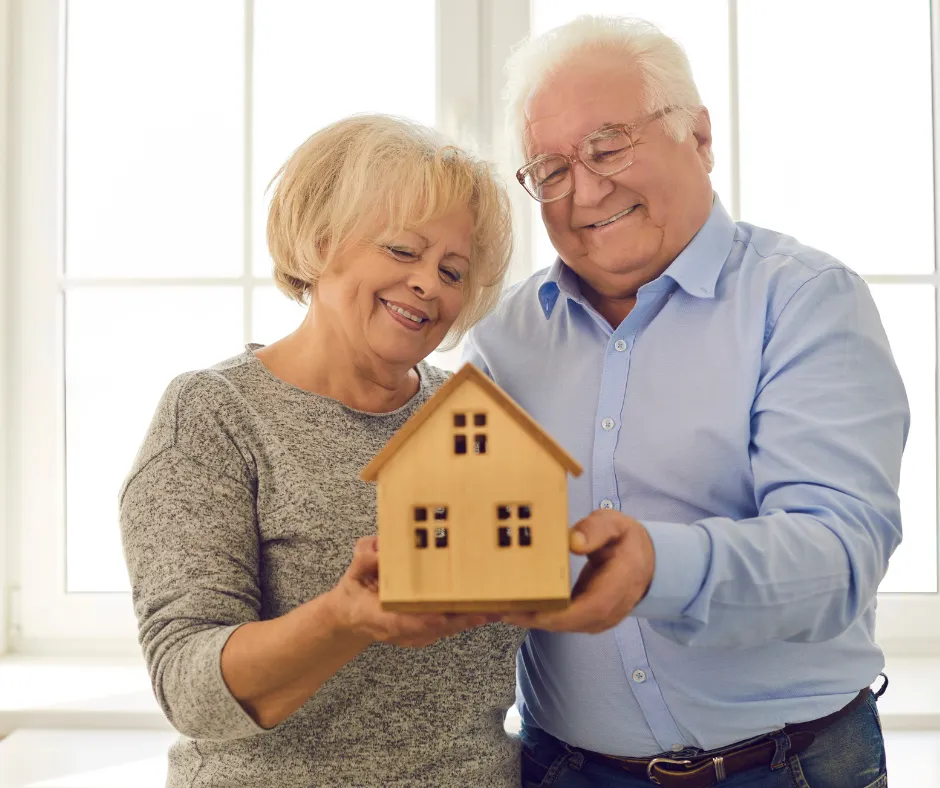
(188, 543)
(191, 544)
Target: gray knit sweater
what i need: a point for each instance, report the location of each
(243, 503)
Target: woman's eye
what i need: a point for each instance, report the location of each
(451, 275)
(402, 254)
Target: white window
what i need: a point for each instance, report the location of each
(144, 134)
(823, 129)
(826, 156)
(147, 138)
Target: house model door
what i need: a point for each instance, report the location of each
(432, 558)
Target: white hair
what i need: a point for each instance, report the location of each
(661, 61)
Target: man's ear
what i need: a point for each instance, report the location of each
(702, 131)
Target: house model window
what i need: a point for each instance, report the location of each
(439, 516)
(469, 426)
(514, 519)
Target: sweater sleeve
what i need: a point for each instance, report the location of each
(190, 539)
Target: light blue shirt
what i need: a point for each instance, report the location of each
(749, 413)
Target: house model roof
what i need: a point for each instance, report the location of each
(469, 372)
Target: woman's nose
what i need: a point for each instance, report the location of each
(423, 280)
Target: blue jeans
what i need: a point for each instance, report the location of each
(850, 753)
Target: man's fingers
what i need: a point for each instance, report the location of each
(591, 609)
(585, 577)
(614, 578)
(594, 532)
(524, 620)
(582, 615)
(550, 622)
(579, 542)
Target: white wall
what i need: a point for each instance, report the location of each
(5, 41)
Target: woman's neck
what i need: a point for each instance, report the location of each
(318, 359)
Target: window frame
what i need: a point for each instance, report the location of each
(901, 625)
(6, 38)
(48, 620)
(38, 616)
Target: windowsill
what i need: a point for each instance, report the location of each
(89, 693)
(73, 693)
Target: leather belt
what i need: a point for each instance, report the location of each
(706, 769)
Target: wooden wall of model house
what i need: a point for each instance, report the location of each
(514, 470)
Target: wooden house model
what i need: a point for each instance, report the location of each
(472, 506)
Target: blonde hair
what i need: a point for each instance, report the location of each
(661, 61)
(367, 170)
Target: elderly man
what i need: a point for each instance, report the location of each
(733, 399)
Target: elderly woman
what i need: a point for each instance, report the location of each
(248, 536)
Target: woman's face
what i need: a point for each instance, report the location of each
(394, 298)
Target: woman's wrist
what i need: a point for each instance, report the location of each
(338, 619)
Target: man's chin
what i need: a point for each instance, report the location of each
(615, 265)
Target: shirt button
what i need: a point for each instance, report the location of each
(639, 676)
(677, 747)
(620, 345)
(606, 504)
(607, 424)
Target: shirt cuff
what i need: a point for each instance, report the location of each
(683, 553)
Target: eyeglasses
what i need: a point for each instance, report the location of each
(607, 151)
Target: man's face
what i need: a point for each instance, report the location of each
(661, 200)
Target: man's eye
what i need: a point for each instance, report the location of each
(604, 155)
(546, 179)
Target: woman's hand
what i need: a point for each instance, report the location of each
(355, 603)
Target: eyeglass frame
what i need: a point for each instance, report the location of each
(626, 128)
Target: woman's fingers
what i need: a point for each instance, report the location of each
(365, 564)
(367, 546)
(404, 629)
(427, 628)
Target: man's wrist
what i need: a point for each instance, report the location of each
(681, 557)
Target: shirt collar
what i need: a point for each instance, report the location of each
(695, 270)
(698, 266)
(559, 278)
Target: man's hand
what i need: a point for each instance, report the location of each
(617, 575)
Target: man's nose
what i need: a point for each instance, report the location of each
(588, 187)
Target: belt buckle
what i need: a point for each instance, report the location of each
(652, 763)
